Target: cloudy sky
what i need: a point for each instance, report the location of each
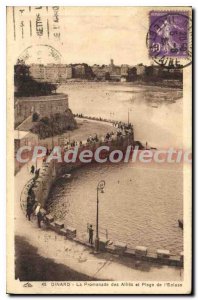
(90, 35)
(95, 37)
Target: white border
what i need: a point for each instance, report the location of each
(3, 5)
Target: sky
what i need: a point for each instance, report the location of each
(87, 34)
(98, 37)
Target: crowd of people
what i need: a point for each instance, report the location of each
(92, 118)
(33, 207)
(123, 126)
(117, 124)
(122, 129)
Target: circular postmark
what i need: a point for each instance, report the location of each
(40, 54)
(169, 39)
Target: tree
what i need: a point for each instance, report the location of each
(35, 117)
(26, 86)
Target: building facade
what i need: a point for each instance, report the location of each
(114, 71)
(51, 72)
(124, 70)
(100, 72)
(140, 69)
(37, 71)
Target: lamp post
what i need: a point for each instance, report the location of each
(100, 188)
(129, 110)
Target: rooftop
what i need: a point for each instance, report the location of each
(19, 134)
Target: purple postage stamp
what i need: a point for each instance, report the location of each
(169, 38)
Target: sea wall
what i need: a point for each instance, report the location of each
(42, 185)
(49, 172)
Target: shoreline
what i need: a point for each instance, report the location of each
(78, 257)
(161, 84)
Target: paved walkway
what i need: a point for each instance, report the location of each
(78, 257)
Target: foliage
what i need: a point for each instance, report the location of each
(56, 124)
(35, 117)
(26, 86)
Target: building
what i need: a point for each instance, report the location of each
(69, 72)
(37, 72)
(100, 72)
(124, 70)
(163, 72)
(63, 72)
(82, 71)
(114, 71)
(23, 138)
(52, 73)
(79, 71)
(44, 106)
(140, 69)
(111, 66)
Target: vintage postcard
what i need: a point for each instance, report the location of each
(99, 137)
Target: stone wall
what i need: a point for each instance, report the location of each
(43, 105)
(43, 183)
(49, 172)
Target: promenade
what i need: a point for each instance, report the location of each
(77, 257)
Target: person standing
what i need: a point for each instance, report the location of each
(39, 218)
(38, 214)
(32, 169)
(90, 234)
(29, 210)
(36, 174)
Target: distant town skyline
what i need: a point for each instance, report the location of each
(95, 64)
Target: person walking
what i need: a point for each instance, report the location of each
(29, 209)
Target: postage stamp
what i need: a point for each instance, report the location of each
(169, 39)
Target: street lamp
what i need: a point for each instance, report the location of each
(129, 110)
(100, 188)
